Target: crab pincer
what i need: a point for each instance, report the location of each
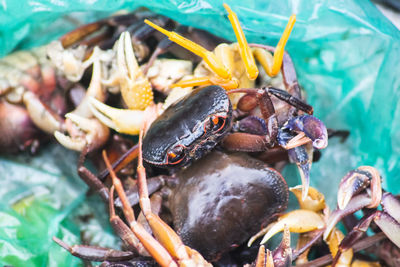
(356, 181)
(82, 132)
(312, 128)
(81, 129)
(136, 92)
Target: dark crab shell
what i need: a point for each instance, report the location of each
(183, 123)
(223, 199)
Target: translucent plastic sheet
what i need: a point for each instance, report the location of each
(346, 55)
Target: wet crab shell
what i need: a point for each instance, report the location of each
(223, 199)
(184, 123)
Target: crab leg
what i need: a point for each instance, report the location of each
(204, 81)
(387, 224)
(280, 256)
(156, 250)
(154, 184)
(265, 58)
(124, 120)
(210, 58)
(124, 160)
(290, 99)
(356, 203)
(123, 230)
(90, 179)
(244, 49)
(93, 253)
(164, 234)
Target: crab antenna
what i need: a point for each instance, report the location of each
(244, 49)
(212, 61)
(280, 48)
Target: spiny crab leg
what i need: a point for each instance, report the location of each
(209, 57)
(158, 252)
(244, 49)
(135, 87)
(124, 120)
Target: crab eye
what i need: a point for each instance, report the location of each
(216, 123)
(176, 154)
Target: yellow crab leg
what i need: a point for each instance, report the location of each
(203, 81)
(212, 61)
(280, 48)
(244, 49)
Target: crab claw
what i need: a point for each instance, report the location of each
(315, 201)
(135, 87)
(357, 180)
(125, 121)
(83, 132)
(298, 221)
(42, 117)
(312, 127)
(300, 157)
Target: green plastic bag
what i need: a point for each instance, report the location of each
(345, 53)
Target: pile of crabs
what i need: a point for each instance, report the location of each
(211, 126)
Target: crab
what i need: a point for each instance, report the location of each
(130, 121)
(224, 187)
(224, 70)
